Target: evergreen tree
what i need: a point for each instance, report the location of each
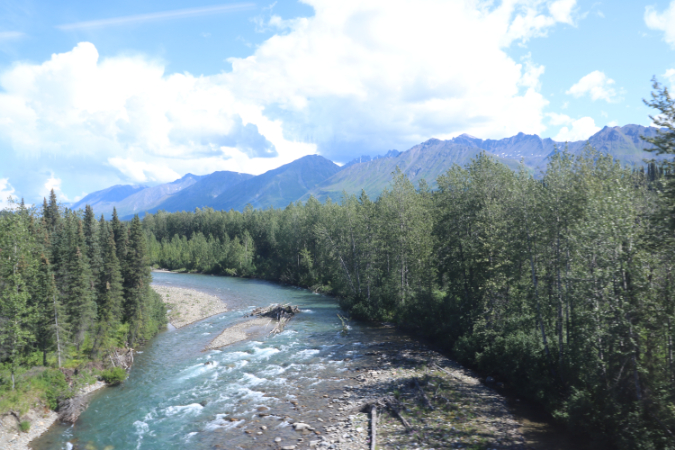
(136, 283)
(16, 314)
(50, 321)
(91, 241)
(110, 295)
(121, 238)
(80, 300)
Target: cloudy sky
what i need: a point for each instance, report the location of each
(94, 94)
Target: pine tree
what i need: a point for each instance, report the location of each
(91, 241)
(121, 238)
(16, 314)
(80, 301)
(50, 323)
(136, 283)
(52, 212)
(110, 295)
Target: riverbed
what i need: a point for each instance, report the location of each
(250, 394)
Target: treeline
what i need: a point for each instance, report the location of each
(71, 287)
(562, 286)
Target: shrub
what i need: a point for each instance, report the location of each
(24, 426)
(114, 376)
(56, 387)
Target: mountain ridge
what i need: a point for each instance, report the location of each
(317, 176)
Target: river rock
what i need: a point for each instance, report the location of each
(302, 426)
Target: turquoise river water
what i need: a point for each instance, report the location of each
(174, 400)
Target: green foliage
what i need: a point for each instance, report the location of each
(56, 387)
(114, 376)
(24, 426)
(64, 299)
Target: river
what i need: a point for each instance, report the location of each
(174, 400)
(179, 396)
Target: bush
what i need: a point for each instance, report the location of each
(114, 376)
(24, 426)
(56, 387)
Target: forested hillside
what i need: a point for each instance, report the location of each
(71, 289)
(561, 287)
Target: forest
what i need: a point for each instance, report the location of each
(561, 286)
(72, 289)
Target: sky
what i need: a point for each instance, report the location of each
(94, 94)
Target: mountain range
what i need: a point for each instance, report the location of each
(317, 176)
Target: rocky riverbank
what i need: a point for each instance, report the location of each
(41, 418)
(186, 306)
(422, 400)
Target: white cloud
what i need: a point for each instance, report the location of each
(359, 76)
(556, 119)
(6, 191)
(561, 11)
(580, 130)
(662, 21)
(597, 85)
(54, 184)
(157, 16)
(364, 72)
(670, 76)
(10, 35)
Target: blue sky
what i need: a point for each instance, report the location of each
(94, 94)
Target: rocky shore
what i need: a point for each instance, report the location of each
(185, 306)
(40, 419)
(422, 400)
(443, 405)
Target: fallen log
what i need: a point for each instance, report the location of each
(373, 426)
(447, 372)
(424, 395)
(281, 313)
(385, 402)
(392, 405)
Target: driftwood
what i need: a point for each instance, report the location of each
(423, 394)
(281, 313)
(391, 404)
(436, 366)
(373, 426)
(122, 357)
(70, 409)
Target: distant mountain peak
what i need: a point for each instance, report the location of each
(367, 158)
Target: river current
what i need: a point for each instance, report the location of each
(178, 396)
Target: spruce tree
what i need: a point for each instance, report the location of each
(79, 294)
(137, 283)
(109, 295)
(16, 314)
(50, 320)
(121, 237)
(91, 241)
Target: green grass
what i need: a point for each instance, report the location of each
(24, 426)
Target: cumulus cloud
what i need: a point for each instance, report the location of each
(662, 21)
(6, 191)
(596, 85)
(577, 130)
(359, 76)
(363, 75)
(54, 184)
